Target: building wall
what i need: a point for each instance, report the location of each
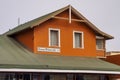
(101, 53)
(51, 76)
(66, 32)
(26, 38)
(114, 77)
(113, 59)
(39, 37)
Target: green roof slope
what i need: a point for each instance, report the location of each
(34, 22)
(77, 63)
(12, 52)
(37, 21)
(14, 55)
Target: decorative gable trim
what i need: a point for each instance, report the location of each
(42, 19)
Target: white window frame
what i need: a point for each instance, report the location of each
(82, 43)
(102, 44)
(58, 37)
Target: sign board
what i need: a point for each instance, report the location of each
(43, 49)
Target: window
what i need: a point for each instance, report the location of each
(99, 44)
(70, 77)
(47, 77)
(91, 77)
(77, 39)
(79, 77)
(54, 37)
(36, 76)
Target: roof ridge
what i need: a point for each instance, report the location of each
(29, 24)
(39, 20)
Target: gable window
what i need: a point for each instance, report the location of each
(99, 44)
(77, 39)
(54, 37)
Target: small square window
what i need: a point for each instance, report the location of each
(99, 44)
(54, 37)
(77, 39)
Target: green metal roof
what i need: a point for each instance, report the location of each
(14, 55)
(34, 22)
(44, 18)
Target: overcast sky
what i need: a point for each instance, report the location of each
(105, 14)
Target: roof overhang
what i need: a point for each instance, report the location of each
(26, 61)
(59, 71)
(44, 18)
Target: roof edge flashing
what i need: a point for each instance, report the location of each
(58, 71)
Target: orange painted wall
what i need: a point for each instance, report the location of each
(26, 38)
(66, 32)
(39, 37)
(100, 53)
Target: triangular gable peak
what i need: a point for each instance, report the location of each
(69, 15)
(74, 15)
(71, 12)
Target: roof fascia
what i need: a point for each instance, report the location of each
(59, 71)
(107, 36)
(50, 15)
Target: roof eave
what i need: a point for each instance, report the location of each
(92, 26)
(50, 15)
(59, 71)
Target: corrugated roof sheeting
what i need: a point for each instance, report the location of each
(14, 55)
(34, 22)
(44, 18)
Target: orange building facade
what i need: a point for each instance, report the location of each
(62, 45)
(37, 39)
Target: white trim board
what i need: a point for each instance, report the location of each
(58, 35)
(82, 47)
(59, 71)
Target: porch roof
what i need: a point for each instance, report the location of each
(15, 56)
